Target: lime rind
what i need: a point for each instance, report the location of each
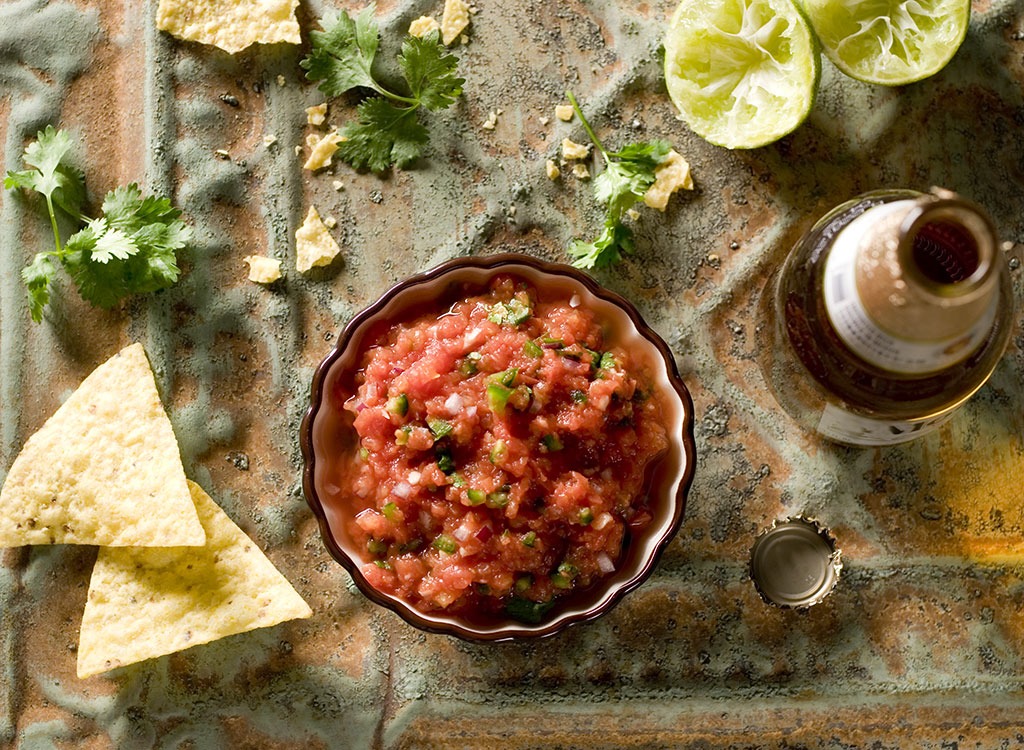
(889, 42)
(742, 73)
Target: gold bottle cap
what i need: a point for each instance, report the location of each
(795, 563)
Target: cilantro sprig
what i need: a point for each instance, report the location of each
(130, 249)
(387, 130)
(629, 174)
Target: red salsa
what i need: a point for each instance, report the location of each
(501, 456)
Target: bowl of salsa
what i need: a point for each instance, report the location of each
(498, 448)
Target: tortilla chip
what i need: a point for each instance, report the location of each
(231, 25)
(104, 469)
(145, 603)
(314, 245)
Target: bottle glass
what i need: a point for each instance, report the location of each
(887, 316)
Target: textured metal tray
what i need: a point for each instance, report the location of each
(921, 644)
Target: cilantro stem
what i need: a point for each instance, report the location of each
(586, 125)
(53, 225)
(412, 102)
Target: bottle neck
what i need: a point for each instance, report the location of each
(912, 286)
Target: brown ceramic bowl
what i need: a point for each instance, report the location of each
(670, 480)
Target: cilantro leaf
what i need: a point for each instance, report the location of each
(387, 130)
(429, 69)
(130, 249)
(342, 54)
(382, 135)
(608, 249)
(38, 275)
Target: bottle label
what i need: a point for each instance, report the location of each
(846, 427)
(862, 335)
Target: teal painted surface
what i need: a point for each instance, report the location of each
(920, 645)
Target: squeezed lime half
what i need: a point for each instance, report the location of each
(890, 42)
(743, 73)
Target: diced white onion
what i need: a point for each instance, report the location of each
(574, 300)
(462, 533)
(602, 520)
(471, 411)
(605, 563)
(454, 404)
(414, 477)
(472, 338)
(402, 489)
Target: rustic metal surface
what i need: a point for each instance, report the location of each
(921, 644)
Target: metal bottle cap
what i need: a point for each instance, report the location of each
(794, 563)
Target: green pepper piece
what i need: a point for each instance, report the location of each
(399, 405)
(445, 544)
(526, 610)
(439, 427)
(532, 349)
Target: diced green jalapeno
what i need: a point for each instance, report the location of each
(497, 397)
(532, 349)
(389, 510)
(529, 538)
(523, 583)
(586, 516)
(457, 481)
(579, 397)
(439, 427)
(445, 462)
(376, 547)
(476, 497)
(382, 564)
(364, 452)
(526, 610)
(563, 577)
(552, 443)
(402, 435)
(498, 498)
(498, 451)
(607, 361)
(470, 364)
(399, 405)
(445, 544)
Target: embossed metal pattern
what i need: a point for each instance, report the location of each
(920, 645)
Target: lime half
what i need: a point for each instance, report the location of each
(743, 73)
(891, 42)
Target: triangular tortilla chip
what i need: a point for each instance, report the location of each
(149, 602)
(104, 469)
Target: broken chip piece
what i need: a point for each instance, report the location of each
(104, 469)
(317, 114)
(231, 25)
(454, 20)
(263, 270)
(321, 150)
(671, 175)
(423, 26)
(314, 245)
(144, 603)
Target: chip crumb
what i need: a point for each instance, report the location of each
(269, 140)
(222, 153)
(232, 26)
(671, 175)
(322, 149)
(281, 81)
(454, 20)
(314, 245)
(581, 171)
(564, 112)
(298, 150)
(572, 150)
(491, 122)
(633, 214)
(263, 270)
(552, 170)
(545, 120)
(330, 222)
(338, 185)
(317, 114)
(423, 26)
